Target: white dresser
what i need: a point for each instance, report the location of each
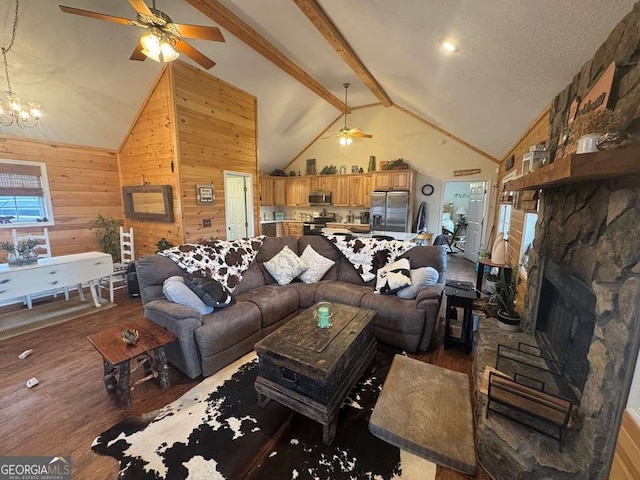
(53, 273)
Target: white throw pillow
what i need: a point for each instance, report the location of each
(285, 266)
(393, 277)
(176, 291)
(420, 278)
(317, 265)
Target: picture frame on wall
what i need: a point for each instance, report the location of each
(311, 166)
(205, 194)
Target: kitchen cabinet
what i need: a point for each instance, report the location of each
(298, 191)
(338, 185)
(360, 191)
(266, 191)
(279, 191)
(293, 229)
(394, 180)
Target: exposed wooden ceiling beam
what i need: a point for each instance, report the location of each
(234, 25)
(447, 134)
(325, 26)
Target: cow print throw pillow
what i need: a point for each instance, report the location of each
(210, 291)
(393, 277)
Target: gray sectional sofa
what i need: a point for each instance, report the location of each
(206, 343)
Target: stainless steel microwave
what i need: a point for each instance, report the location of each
(322, 198)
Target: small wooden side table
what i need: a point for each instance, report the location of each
(460, 298)
(482, 262)
(117, 356)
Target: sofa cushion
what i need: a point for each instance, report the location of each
(176, 291)
(398, 316)
(275, 302)
(210, 291)
(252, 278)
(393, 277)
(285, 266)
(225, 328)
(435, 256)
(420, 278)
(341, 292)
(306, 292)
(317, 265)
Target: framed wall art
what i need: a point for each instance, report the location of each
(205, 194)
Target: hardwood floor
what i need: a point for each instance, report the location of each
(70, 406)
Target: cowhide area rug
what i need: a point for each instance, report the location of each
(217, 431)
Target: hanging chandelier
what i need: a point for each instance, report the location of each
(12, 111)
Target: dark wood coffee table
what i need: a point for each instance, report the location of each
(312, 370)
(117, 356)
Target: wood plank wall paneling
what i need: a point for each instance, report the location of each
(216, 131)
(537, 132)
(83, 182)
(148, 152)
(626, 460)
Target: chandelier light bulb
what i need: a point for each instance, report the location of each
(34, 110)
(14, 103)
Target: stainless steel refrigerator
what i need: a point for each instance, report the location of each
(390, 211)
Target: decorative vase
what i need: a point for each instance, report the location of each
(508, 323)
(372, 164)
(587, 143)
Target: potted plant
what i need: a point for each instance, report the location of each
(108, 235)
(10, 248)
(506, 290)
(163, 244)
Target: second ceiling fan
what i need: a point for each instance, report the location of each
(163, 41)
(346, 134)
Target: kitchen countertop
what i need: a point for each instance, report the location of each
(280, 221)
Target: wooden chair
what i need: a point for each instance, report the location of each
(43, 249)
(118, 279)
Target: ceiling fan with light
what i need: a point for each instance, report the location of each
(346, 134)
(163, 41)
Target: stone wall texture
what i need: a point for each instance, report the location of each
(623, 47)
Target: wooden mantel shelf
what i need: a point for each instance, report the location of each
(582, 167)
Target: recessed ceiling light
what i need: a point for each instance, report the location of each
(449, 46)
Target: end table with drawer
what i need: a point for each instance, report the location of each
(457, 297)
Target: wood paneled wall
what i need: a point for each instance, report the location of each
(537, 132)
(190, 130)
(626, 460)
(83, 182)
(147, 155)
(216, 131)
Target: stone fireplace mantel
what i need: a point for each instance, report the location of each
(582, 167)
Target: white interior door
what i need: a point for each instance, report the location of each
(475, 220)
(238, 205)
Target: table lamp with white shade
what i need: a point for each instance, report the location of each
(462, 212)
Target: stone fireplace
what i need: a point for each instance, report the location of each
(583, 307)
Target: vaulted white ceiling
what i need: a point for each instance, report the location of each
(514, 56)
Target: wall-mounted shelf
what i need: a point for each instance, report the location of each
(582, 167)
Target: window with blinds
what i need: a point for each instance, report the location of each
(24, 194)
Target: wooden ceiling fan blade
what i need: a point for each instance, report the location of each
(99, 16)
(196, 31)
(141, 7)
(360, 135)
(333, 135)
(137, 54)
(192, 53)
